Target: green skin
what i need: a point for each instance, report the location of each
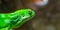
(15, 19)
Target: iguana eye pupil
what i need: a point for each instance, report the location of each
(30, 12)
(22, 15)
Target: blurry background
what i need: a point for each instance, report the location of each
(46, 18)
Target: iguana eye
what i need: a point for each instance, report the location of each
(30, 12)
(23, 15)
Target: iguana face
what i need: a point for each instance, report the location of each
(25, 15)
(15, 19)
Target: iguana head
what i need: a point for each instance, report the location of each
(25, 15)
(16, 18)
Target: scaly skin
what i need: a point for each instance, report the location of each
(15, 19)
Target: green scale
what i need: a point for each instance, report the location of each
(15, 19)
